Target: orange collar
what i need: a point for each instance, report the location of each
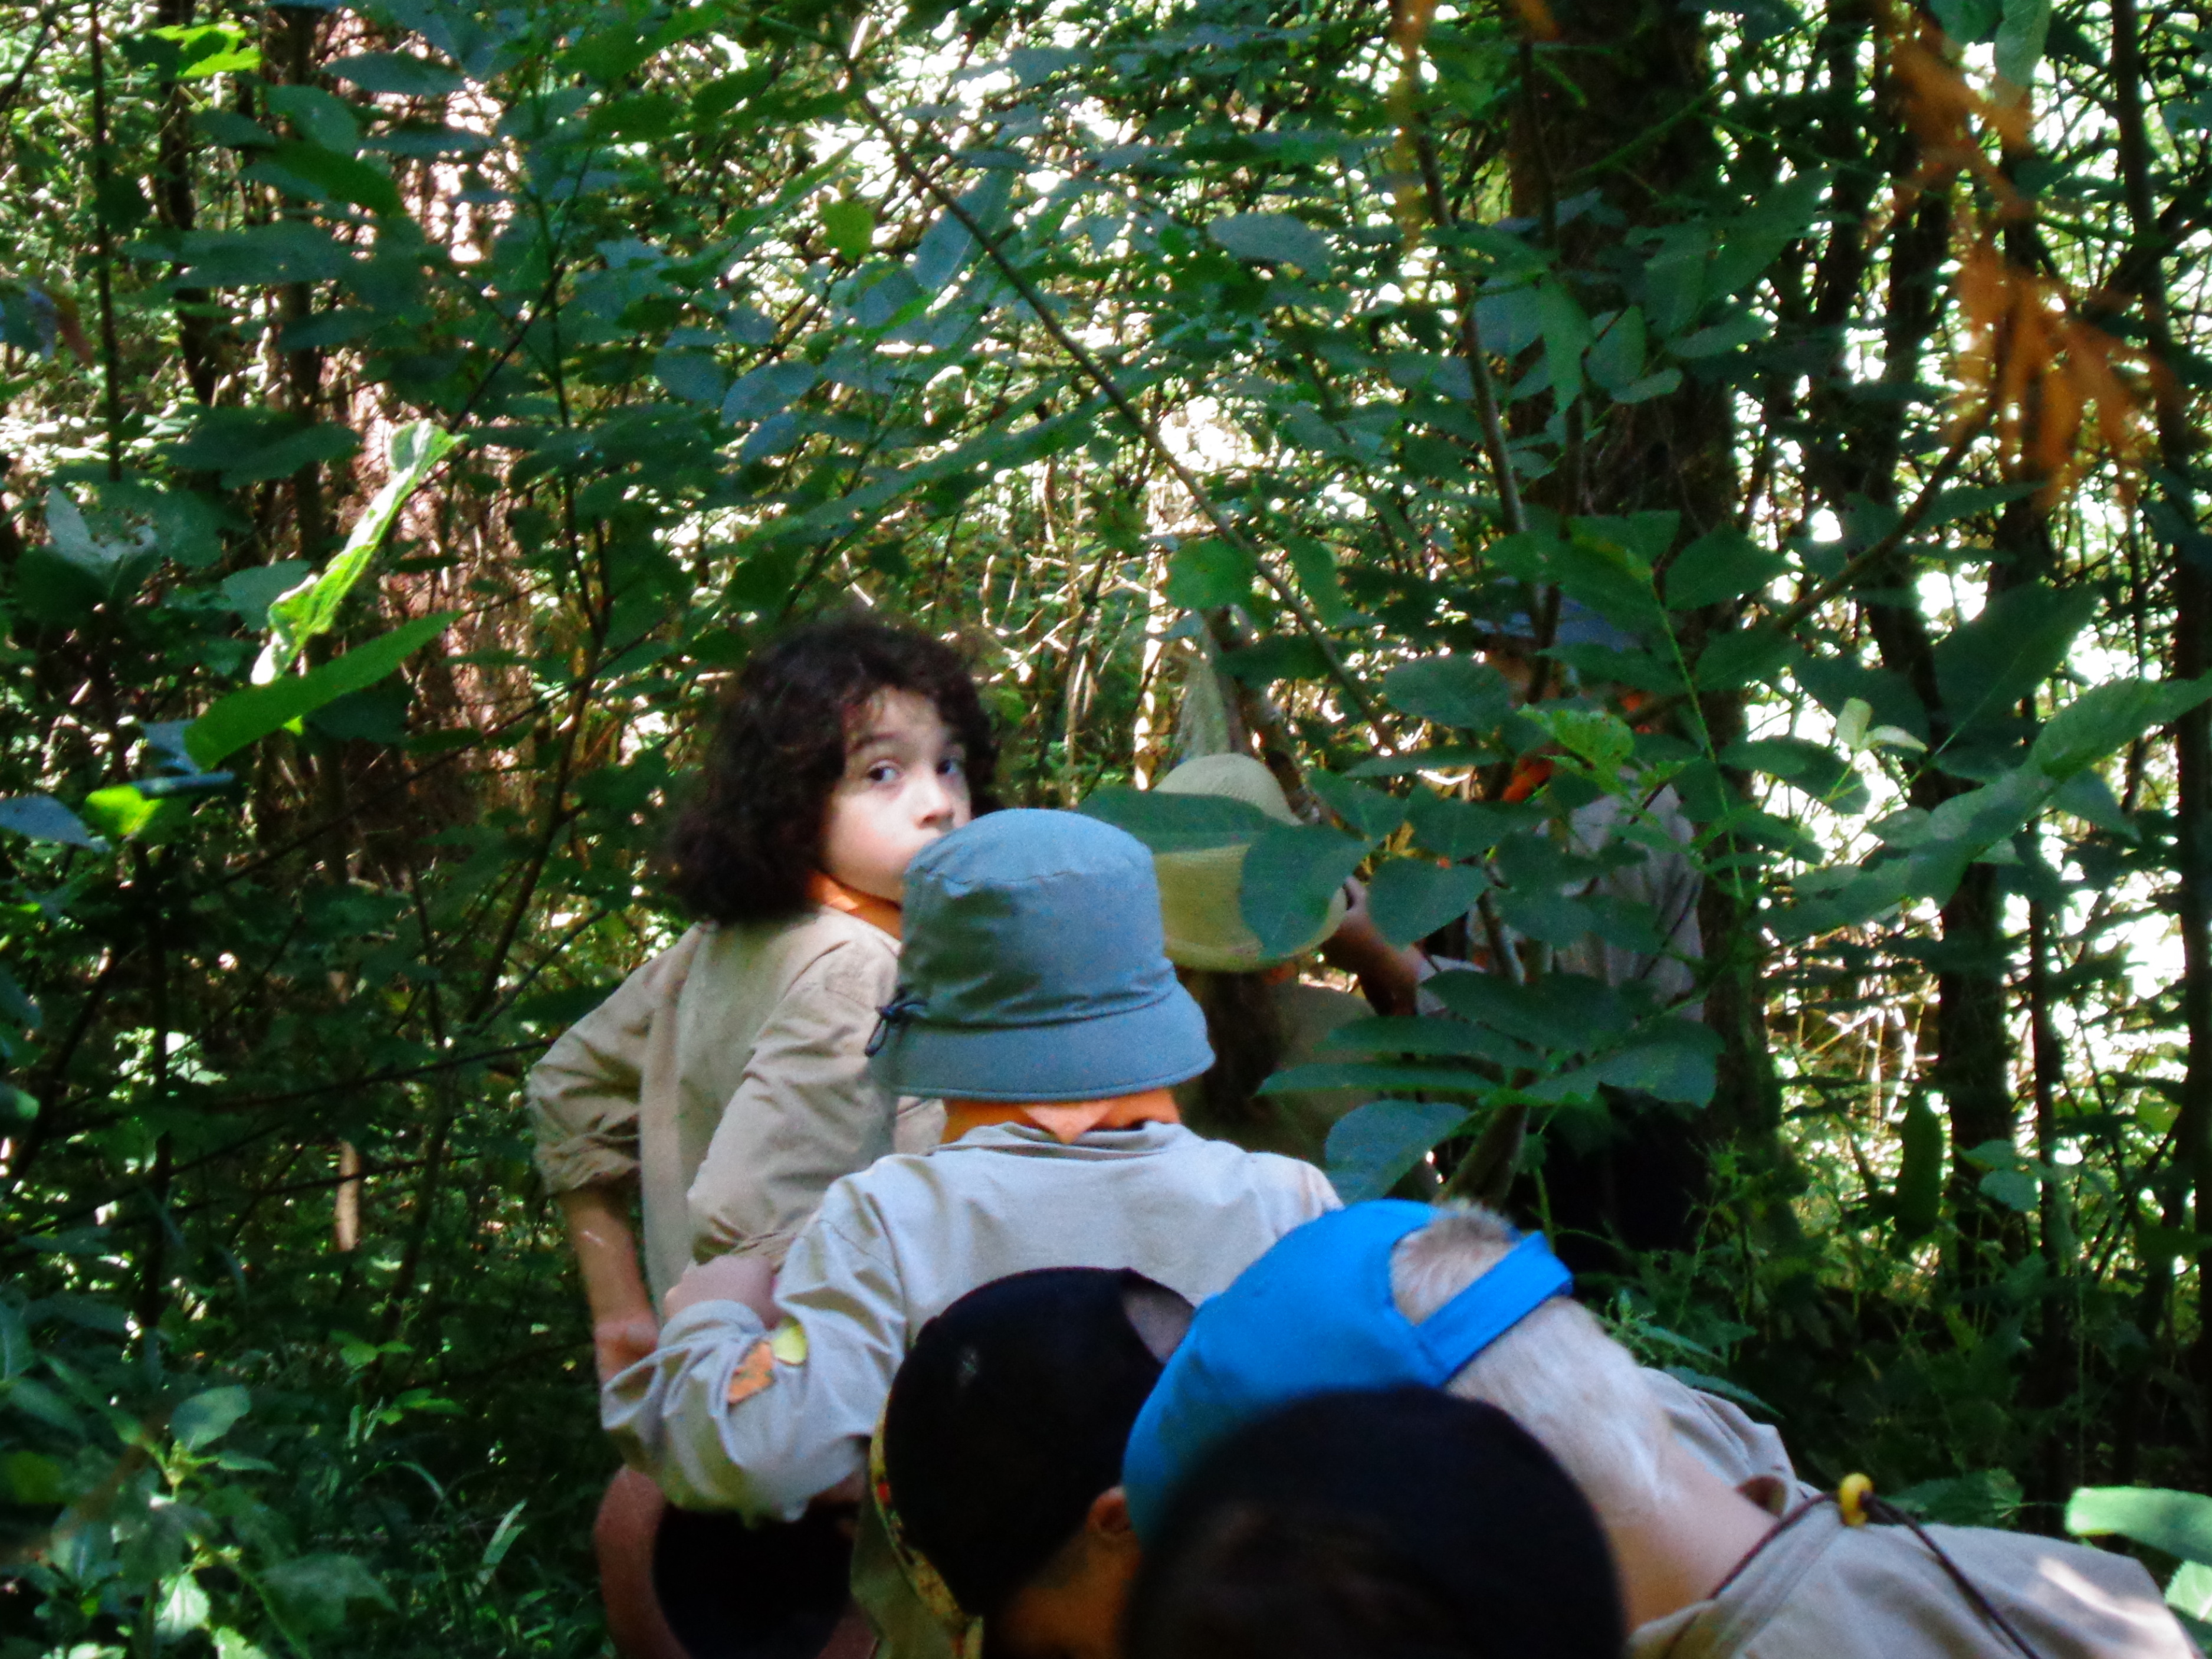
(1064, 1123)
(832, 894)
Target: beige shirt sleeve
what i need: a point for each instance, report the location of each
(583, 1095)
(805, 1113)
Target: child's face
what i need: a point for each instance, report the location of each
(905, 784)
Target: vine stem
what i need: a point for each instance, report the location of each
(1102, 378)
(104, 253)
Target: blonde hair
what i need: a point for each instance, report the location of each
(1556, 1373)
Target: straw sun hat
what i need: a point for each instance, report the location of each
(1199, 911)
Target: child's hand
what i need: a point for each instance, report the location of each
(618, 1344)
(745, 1279)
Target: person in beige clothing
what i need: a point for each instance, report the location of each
(1706, 1569)
(723, 1089)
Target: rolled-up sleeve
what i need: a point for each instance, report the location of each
(583, 1096)
(805, 1112)
(805, 1427)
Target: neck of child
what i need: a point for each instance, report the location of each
(1683, 1550)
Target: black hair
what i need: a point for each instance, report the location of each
(746, 846)
(1009, 1414)
(1389, 1524)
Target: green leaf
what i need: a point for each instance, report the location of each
(768, 389)
(1291, 876)
(311, 607)
(1205, 575)
(2016, 1190)
(1464, 692)
(1818, 772)
(1173, 824)
(314, 1593)
(207, 1417)
(2023, 26)
(2106, 719)
(1410, 899)
(246, 716)
(1720, 565)
(121, 813)
(1366, 812)
(1462, 828)
(331, 175)
(1561, 1013)
(1920, 1173)
(287, 250)
(1371, 1148)
(1984, 667)
(1671, 1057)
(183, 1606)
(41, 818)
(947, 246)
(850, 226)
(2177, 1523)
(691, 375)
(307, 447)
(1272, 239)
(1315, 563)
(1566, 332)
(398, 73)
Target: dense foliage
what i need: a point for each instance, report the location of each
(1217, 372)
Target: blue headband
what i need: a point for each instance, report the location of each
(1314, 1315)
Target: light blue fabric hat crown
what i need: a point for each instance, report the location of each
(1032, 969)
(1313, 1315)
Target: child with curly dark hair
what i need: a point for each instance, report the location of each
(723, 1086)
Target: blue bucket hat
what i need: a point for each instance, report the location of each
(1315, 1316)
(1032, 968)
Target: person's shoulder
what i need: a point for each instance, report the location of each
(818, 948)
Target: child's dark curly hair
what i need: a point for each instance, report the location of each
(747, 845)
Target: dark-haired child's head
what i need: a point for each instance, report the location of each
(1002, 1451)
(848, 744)
(1377, 1525)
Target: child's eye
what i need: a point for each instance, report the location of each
(882, 772)
(952, 766)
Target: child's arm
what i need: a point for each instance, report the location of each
(736, 1411)
(624, 1330)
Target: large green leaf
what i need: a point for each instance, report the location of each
(208, 1416)
(1465, 692)
(1171, 822)
(1411, 897)
(2177, 1523)
(1371, 1148)
(1290, 875)
(2106, 719)
(246, 716)
(1986, 666)
(1563, 1013)
(311, 607)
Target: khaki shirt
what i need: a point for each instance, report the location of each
(893, 1247)
(1817, 1586)
(726, 1077)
